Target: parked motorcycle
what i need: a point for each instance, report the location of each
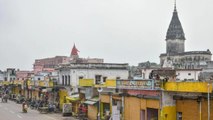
(24, 107)
(4, 98)
(24, 110)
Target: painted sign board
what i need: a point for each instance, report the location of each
(135, 84)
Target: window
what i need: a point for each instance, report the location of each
(117, 78)
(193, 67)
(80, 77)
(39, 78)
(68, 79)
(116, 90)
(104, 79)
(189, 74)
(62, 80)
(65, 80)
(97, 79)
(179, 115)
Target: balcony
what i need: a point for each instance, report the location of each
(201, 87)
(86, 82)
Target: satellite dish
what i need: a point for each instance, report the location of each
(100, 89)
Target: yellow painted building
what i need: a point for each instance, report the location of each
(187, 103)
(137, 108)
(200, 87)
(62, 97)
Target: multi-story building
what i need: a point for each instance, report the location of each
(70, 74)
(48, 64)
(23, 75)
(10, 74)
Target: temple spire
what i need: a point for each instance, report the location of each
(175, 9)
(175, 30)
(74, 52)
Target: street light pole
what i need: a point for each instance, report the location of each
(208, 103)
(99, 106)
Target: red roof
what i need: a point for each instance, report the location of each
(74, 51)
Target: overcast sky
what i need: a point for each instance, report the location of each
(119, 31)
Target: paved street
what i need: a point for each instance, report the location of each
(13, 111)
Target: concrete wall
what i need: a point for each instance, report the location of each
(168, 111)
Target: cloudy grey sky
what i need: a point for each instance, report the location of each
(123, 31)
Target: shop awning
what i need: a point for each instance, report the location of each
(91, 101)
(73, 97)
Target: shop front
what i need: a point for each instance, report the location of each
(140, 96)
(75, 101)
(105, 105)
(92, 105)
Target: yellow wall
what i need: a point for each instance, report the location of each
(86, 82)
(92, 112)
(46, 83)
(190, 109)
(136, 104)
(152, 103)
(188, 86)
(5, 82)
(35, 94)
(50, 83)
(168, 113)
(16, 90)
(62, 93)
(110, 83)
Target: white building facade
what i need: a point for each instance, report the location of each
(70, 74)
(187, 74)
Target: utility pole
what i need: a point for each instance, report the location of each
(208, 103)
